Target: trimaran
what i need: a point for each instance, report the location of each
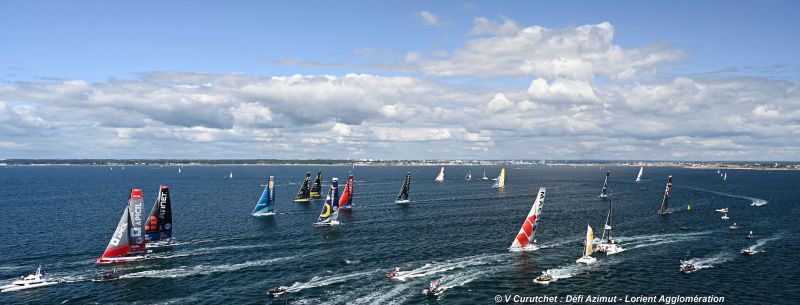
(346, 201)
(639, 176)
(440, 177)
(500, 182)
(607, 244)
(587, 258)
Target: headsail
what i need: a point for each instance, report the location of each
(403, 195)
(528, 229)
(440, 177)
(587, 249)
(330, 211)
(266, 204)
(639, 177)
(500, 182)
(315, 190)
(159, 223)
(664, 204)
(604, 191)
(346, 202)
(304, 193)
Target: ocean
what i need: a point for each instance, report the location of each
(457, 232)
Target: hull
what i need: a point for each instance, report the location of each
(159, 244)
(260, 214)
(608, 249)
(302, 200)
(117, 260)
(10, 288)
(586, 260)
(402, 201)
(327, 224)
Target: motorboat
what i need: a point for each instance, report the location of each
(687, 267)
(750, 236)
(109, 276)
(395, 272)
(725, 216)
(33, 280)
(722, 210)
(433, 290)
(543, 279)
(749, 251)
(734, 226)
(277, 291)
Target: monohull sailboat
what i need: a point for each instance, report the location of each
(158, 228)
(639, 176)
(266, 203)
(317, 187)
(346, 201)
(127, 243)
(665, 203)
(484, 176)
(587, 258)
(440, 177)
(525, 237)
(500, 182)
(607, 244)
(402, 197)
(468, 177)
(304, 194)
(330, 210)
(604, 191)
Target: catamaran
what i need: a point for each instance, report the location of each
(604, 191)
(127, 243)
(330, 211)
(158, 228)
(484, 176)
(587, 258)
(346, 202)
(607, 244)
(317, 186)
(525, 237)
(402, 197)
(440, 177)
(500, 182)
(639, 176)
(304, 194)
(266, 204)
(468, 177)
(664, 203)
(33, 280)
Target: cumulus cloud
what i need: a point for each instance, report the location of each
(429, 18)
(483, 25)
(561, 90)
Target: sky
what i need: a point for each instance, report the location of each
(634, 80)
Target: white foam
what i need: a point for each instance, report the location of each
(754, 201)
(326, 280)
(434, 268)
(761, 242)
(709, 261)
(185, 271)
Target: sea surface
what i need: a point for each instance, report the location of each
(458, 232)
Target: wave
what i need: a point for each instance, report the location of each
(757, 202)
(709, 261)
(185, 271)
(318, 281)
(201, 251)
(434, 268)
(637, 239)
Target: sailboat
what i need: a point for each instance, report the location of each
(484, 176)
(664, 204)
(718, 172)
(230, 176)
(304, 194)
(179, 170)
(317, 186)
(725, 176)
(639, 177)
(330, 211)
(587, 258)
(607, 244)
(266, 204)
(158, 228)
(525, 237)
(440, 177)
(468, 177)
(402, 197)
(604, 191)
(127, 243)
(500, 182)
(346, 202)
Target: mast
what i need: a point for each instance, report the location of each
(303, 194)
(604, 192)
(315, 190)
(664, 204)
(266, 203)
(525, 236)
(159, 223)
(346, 202)
(403, 195)
(607, 228)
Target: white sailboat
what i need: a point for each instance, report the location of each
(607, 244)
(525, 238)
(587, 258)
(484, 176)
(440, 177)
(468, 177)
(639, 177)
(33, 280)
(725, 176)
(179, 170)
(230, 176)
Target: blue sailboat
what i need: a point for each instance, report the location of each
(330, 211)
(266, 204)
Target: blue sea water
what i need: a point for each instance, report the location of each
(458, 232)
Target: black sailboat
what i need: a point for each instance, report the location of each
(604, 192)
(664, 204)
(158, 228)
(317, 186)
(402, 197)
(304, 194)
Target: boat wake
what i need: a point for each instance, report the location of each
(709, 261)
(756, 202)
(185, 271)
(202, 251)
(671, 237)
(434, 268)
(761, 242)
(321, 281)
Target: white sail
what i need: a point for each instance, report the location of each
(639, 177)
(725, 176)
(440, 177)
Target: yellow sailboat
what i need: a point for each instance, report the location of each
(500, 182)
(587, 259)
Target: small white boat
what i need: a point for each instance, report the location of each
(722, 210)
(748, 251)
(750, 236)
(484, 176)
(587, 258)
(277, 291)
(687, 267)
(725, 216)
(734, 226)
(543, 279)
(33, 280)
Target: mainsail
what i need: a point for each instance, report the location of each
(639, 177)
(604, 192)
(725, 176)
(266, 204)
(587, 248)
(315, 190)
(500, 182)
(304, 193)
(440, 177)
(128, 237)
(346, 202)
(528, 229)
(664, 204)
(159, 224)
(403, 195)
(330, 211)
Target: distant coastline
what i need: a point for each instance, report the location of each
(730, 165)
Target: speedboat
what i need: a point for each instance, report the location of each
(395, 272)
(586, 260)
(722, 210)
(687, 267)
(734, 226)
(725, 216)
(277, 291)
(749, 251)
(110, 276)
(750, 236)
(433, 290)
(33, 280)
(543, 279)
(608, 247)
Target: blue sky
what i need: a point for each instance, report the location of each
(699, 80)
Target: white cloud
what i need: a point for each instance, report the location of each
(499, 103)
(562, 91)
(429, 18)
(482, 25)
